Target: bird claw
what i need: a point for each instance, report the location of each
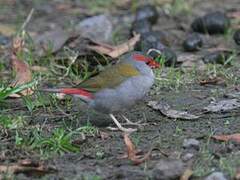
(126, 130)
(128, 122)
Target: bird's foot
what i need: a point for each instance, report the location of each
(120, 127)
(128, 122)
(126, 130)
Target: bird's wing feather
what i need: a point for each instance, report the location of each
(109, 78)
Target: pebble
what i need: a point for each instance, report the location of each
(216, 176)
(168, 169)
(98, 28)
(141, 27)
(212, 23)
(217, 57)
(193, 43)
(191, 144)
(236, 37)
(147, 12)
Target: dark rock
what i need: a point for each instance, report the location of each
(4, 40)
(192, 43)
(153, 40)
(169, 56)
(168, 170)
(148, 41)
(141, 27)
(129, 172)
(236, 37)
(212, 23)
(217, 57)
(216, 176)
(98, 28)
(147, 12)
(191, 144)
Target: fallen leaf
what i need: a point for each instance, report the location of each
(223, 105)
(28, 167)
(63, 6)
(23, 76)
(237, 176)
(232, 137)
(171, 113)
(21, 68)
(213, 81)
(50, 41)
(132, 152)
(187, 174)
(115, 51)
(235, 14)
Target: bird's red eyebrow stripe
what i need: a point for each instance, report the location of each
(140, 57)
(77, 91)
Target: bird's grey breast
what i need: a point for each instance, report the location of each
(126, 94)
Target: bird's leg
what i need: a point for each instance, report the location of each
(120, 127)
(128, 122)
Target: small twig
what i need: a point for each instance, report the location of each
(27, 19)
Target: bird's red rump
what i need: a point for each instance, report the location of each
(77, 91)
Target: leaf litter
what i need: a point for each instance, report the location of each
(133, 153)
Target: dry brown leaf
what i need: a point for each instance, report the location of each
(132, 152)
(55, 39)
(237, 176)
(26, 166)
(166, 110)
(213, 81)
(115, 51)
(187, 174)
(21, 68)
(235, 14)
(63, 6)
(232, 137)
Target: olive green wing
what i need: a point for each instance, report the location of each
(110, 77)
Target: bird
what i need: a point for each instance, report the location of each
(117, 87)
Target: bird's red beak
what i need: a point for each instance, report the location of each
(153, 64)
(149, 61)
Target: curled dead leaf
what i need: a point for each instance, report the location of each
(237, 176)
(226, 138)
(213, 81)
(166, 110)
(115, 51)
(23, 76)
(27, 166)
(187, 174)
(132, 152)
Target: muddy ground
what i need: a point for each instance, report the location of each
(99, 158)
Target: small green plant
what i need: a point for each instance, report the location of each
(9, 122)
(58, 142)
(35, 101)
(88, 130)
(178, 6)
(7, 91)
